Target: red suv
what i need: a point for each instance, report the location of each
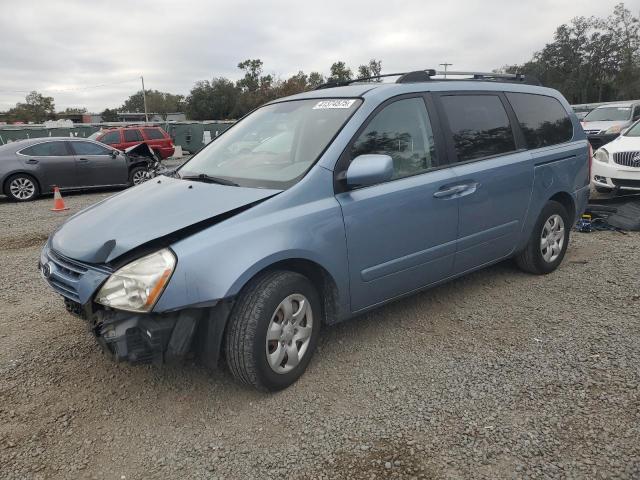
(155, 137)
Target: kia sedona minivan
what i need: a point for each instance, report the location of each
(321, 206)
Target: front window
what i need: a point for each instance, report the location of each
(609, 114)
(634, 131)
(275, 145)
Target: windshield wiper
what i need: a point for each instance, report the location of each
(203, 177)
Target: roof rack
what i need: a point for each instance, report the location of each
(428, 74)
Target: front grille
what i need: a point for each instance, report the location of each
(65, 275)
(619, 182)
(628, 159)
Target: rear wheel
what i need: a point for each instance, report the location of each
(273, 330)
(548, 242)
(21, 188)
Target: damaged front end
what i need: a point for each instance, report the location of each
(135, 337)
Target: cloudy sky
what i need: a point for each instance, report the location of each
(92, 53)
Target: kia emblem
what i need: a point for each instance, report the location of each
(46, 270)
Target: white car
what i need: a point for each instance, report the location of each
(617, 164)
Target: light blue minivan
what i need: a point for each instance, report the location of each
(318, 207)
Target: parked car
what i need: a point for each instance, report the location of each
(124, 137)
(29, 168)
(382, 190)
(617, 165)
(604, 123)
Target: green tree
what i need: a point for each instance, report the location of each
(215, 100)
(340, 73)
(591, 59)
(109, 115)
(74, 110)
(371, 69)
(157, 102)
(315, 79)
(36, 108)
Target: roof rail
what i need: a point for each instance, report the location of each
(426, 75)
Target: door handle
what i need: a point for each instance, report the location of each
(83, 160)
(32, 161)
(445, 192)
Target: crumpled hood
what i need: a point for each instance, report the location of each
(600, 126)
(154, 209)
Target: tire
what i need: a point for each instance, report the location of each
(260, 306)
(21, 188)
(537, 259)
(603, 190)
(137, 176)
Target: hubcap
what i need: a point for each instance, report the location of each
(22, 188)
(289, 333)
(552, 238)
(139, 177)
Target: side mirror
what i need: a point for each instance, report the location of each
(114, 153)
(366, 170)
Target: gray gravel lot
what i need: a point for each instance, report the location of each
(497, 375)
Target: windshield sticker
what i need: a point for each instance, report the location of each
(324, 104)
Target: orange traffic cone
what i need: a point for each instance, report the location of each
(58, 202)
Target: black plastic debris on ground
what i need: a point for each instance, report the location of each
(619, 212)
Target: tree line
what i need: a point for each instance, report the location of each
(590, 59)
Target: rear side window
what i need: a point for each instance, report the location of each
(48, 149)
(543, 119)
(153, 134)
(89, 148)
(111, 137)
(401, 130)
(479, 124)
(132, 136)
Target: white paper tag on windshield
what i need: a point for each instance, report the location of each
(324, 104)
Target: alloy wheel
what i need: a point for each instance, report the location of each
(22, 188)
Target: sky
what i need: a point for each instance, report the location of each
(92, 53)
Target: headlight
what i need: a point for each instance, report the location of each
(614, 129)
(602, 155)
(137, 286)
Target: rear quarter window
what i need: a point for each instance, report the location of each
(479, 125)
(543, 120)
(153, 134)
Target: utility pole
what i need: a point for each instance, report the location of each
(144, 100)
(445, 65)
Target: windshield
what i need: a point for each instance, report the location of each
(634, 131)
(608, 114)
(274, 146)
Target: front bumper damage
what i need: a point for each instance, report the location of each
(157, 337)
(135, 337)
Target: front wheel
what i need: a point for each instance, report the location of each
(273, 330)
(548, 242)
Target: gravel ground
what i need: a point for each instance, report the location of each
(497, 375)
